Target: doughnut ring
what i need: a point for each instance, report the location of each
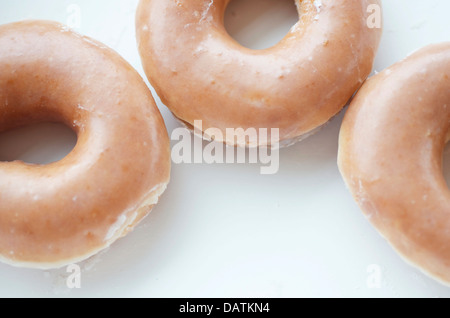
(56, 214)
(391, 152)
(296, 86)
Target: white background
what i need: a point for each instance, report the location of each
(226, 230)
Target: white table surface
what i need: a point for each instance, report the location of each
(225, 230)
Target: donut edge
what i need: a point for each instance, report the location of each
(346, 177)
(283, 143)
(136, 215)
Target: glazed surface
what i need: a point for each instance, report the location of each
(391, 151)
(201, 73)
(54, 214)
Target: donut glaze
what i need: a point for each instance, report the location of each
(60, 213)
(390, 155)
(201, 73)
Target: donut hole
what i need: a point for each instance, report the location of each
(260, 24)
(41, 143)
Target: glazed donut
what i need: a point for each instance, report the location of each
(390, 156)
(60, 213)
(201, 73)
